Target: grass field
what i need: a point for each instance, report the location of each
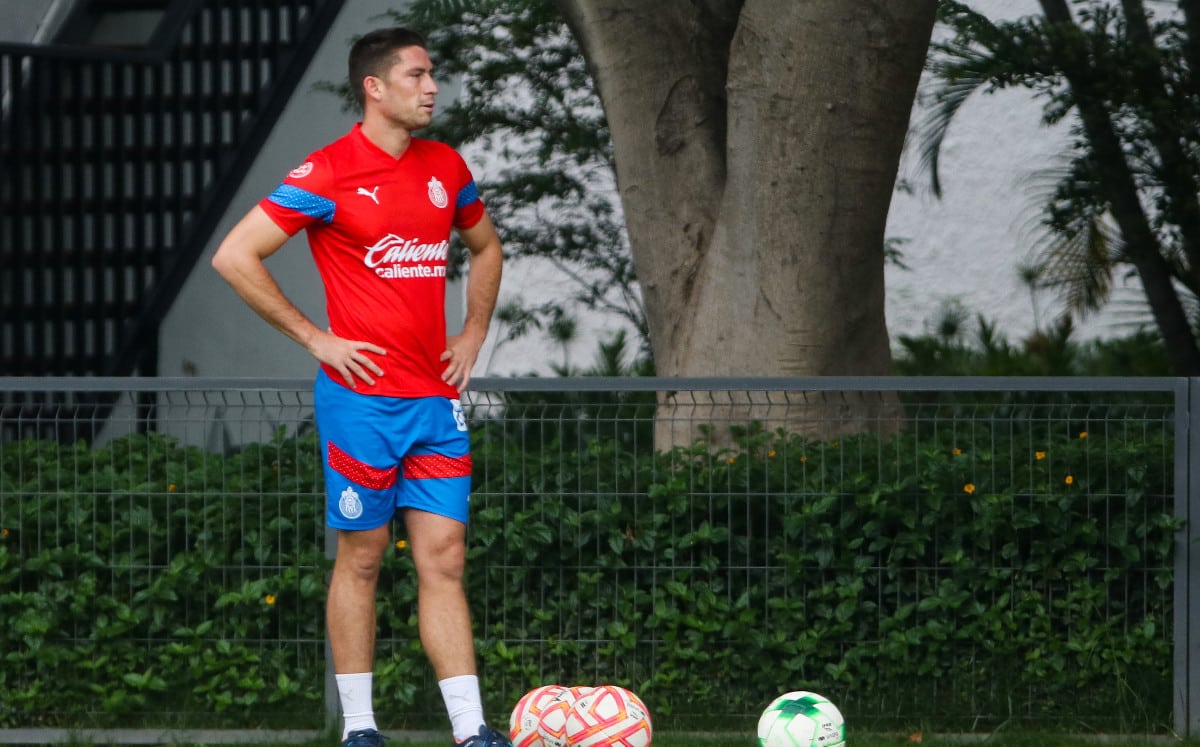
(891, 740)
(424, 739)
(667, 739)
(884, 740)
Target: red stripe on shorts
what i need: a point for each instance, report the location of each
(427, 466)
(363, 474)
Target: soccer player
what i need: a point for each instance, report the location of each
(378, 206)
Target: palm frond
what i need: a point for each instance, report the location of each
(932, 130)
(1082, 263)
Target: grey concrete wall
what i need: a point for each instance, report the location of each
(31, 20)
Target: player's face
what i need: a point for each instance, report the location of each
(408, 90)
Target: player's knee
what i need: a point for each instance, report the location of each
(360, 566)
(361, 554)
(445, 562)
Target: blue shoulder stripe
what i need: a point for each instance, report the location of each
(468, 195)
(303, 201)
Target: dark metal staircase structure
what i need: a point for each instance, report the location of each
(121, 144)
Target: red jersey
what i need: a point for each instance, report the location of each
(379, 230)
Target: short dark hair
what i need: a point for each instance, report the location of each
(375, 52)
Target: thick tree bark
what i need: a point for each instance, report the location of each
(660, 69)
(757, 145)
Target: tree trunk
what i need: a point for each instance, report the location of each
(756, 146)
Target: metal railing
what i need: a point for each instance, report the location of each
(750, 456)
(118, 165)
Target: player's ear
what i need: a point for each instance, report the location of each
(373, 88)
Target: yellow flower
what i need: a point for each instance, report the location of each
(269, 599)
(1069, 480)
(969, 488)
(1039, 455)
(401, 544)
(171, 488)
(1083, 434)
(3, 532)
(732, 460)
(957, 451)
(803, 459)
(771, 453)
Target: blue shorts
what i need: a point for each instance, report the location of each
(386, 453)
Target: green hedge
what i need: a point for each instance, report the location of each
(935, 579)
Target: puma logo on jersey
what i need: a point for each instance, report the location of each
(363, 191)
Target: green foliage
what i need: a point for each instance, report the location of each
(143, 577)
(912, 582)
(952, 352)
(961, 575)
(1123, 79)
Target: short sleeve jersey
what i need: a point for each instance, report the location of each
(379, 231)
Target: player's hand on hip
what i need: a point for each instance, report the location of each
(459, 357)
(347, 357)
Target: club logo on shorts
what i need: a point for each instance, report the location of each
(350, 506)
(301, 171)
(460, 421)
(437, 193)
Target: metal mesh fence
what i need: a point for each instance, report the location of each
(135, 525)
(960, 553)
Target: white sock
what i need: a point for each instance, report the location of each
(463, 705)
(355, 692)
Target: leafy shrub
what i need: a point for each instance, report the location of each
(1052, 352)
(962, 576)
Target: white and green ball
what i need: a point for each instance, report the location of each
(801, 719)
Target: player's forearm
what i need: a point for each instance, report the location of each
(483, 286)
(251, 280)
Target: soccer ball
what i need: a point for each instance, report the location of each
(608, 716)
(552, 722)
(801, 719)
(523, 723)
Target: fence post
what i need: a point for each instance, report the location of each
(332, 701)
(1187, 559)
